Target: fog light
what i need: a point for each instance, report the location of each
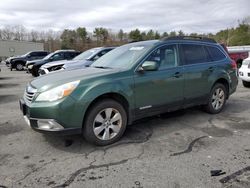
(49, 125)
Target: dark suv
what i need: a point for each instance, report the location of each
(131, 82)
(34, 66)
(19, 62)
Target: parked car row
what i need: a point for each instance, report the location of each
(85, 59)
(34, 66)
(39, 63)
(130, 82)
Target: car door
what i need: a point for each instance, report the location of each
(162, 89)
(197, 70)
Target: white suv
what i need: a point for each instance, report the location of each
(244, 72)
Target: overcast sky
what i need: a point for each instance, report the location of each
(162, 15)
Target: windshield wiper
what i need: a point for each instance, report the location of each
(102, 67)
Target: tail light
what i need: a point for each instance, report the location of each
(234, 65)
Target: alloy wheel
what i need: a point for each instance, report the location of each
(218, 99)
(19, 67)
(107, 124)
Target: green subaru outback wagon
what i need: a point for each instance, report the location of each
(131, 82)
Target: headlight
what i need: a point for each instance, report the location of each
(58, 92)
(30, 66)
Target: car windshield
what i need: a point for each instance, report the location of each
(25, 54)
(124, 56)
(48, 56)
(87, 54)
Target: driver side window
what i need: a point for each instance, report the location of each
(165, 56)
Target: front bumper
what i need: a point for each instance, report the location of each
(50, 126)
(43, 71)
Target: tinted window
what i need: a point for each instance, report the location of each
(38, 53)
(215, 53)
(165, 56)
(34, 53)
(42, 53)
(195, 54)
(70, 55)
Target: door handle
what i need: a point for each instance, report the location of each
(177, 75)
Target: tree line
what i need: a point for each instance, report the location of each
(81, 39)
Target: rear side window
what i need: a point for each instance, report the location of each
(215, 53)
(38, 54)
(194, 54)
(34, 54)
(70, 55)
(42, 53)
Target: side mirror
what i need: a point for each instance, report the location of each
(149, 66)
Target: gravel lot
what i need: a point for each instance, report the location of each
(171, 150)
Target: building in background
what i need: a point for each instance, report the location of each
(9, 48)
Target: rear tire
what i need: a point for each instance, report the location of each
(246, 84)
(217, 99)
(105, 122)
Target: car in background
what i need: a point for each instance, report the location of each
(237, 55)
(131, 82)
(83, 60)
(33, 66)
(19, 62)
(244, 72)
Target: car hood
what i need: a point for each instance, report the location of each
(77, 65)
(51, 64)
(18, 58)
(34, 62)
(48, 81)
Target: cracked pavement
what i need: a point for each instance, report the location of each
(177, 149)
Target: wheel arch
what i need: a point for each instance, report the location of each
(223, 81)
(114, 96)
(19, 61)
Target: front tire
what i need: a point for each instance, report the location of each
(105, 122)
(34, 72)
(217, 99)
(246, 84)
(19, 66)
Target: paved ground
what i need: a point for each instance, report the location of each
(172, 150)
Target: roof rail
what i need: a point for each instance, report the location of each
(195, 38)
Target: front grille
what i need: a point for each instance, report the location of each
(55, 68)
(30, 93)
